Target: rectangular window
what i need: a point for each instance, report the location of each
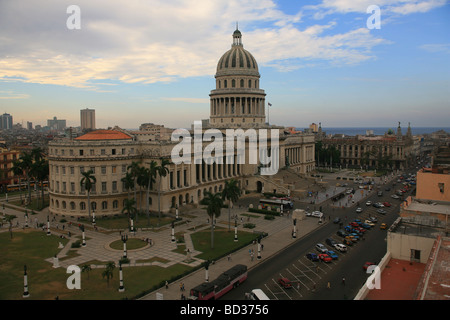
(114, 169)
(114, 186)
(72, 187)
(103, 187)
(81, 152)
(103, 169)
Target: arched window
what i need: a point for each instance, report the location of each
(115, 204)
(104, 205)
(233, 83)
(64, 205)
(242, 83)
(225, 83)
(82, 206)
(72, 205)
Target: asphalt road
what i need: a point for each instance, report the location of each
(310, 279)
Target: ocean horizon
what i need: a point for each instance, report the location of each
(353, 131)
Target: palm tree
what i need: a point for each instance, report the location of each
(162, 171)
(151, 172)
(9, 218)
(40, 171)
(86, 268)
(88, 182)
(231, 192)
(17, 171)
(142, 181)
(214, 204)
(129, 209)
(26, 163)
(134, 171)
(108, 273)
(128, 182)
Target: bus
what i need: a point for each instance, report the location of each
(275, 203)
(225, 282)
(258, 294)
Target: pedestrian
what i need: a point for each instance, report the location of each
(343, 281)
(167, 285)
(229, 257)
(329, 285)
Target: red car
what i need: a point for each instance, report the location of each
(325, 258)
(367, 265)
(285, 283)
(354, 224)
(386, 204)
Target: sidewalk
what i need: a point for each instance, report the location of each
(97, 247)
(280, 237)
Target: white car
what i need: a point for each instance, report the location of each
(369, 203)
(321, 248)
(317, 214)
(340, 247)
(359, 210)
(369, 222)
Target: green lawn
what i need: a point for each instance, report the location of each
(223, 242)
(45, 282)
(32, 247)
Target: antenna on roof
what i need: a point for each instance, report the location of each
(237, 25)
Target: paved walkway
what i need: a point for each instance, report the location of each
(97, 244)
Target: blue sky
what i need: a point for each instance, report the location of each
(154, 61)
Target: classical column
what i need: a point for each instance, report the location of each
(26, 294)
(121, 287)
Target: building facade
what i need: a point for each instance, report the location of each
(237, 102)
(389, 151)
(87, 119)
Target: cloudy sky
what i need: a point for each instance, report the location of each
(138, 61)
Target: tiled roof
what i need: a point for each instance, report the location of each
(104, 135)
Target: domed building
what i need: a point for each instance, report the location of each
(236, 102)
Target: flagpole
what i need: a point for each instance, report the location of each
(268, 115)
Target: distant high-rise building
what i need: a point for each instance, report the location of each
(87, 117)
(6, 121)
(56, 124)
(313, 127)
(29, 125)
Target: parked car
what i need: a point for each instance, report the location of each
(380, 193)
(383, 226)
(381, 211)
(325, 258)
(359, 210)
(369, 203)
(373, 219)
(285, 283)
(378, 205)
(340, 247)
(366, 226)
(317, 214)
(321, 248)
(369, 222)
(337, 220)
(347, 242)
(333, 255)
(331, 242)
(394, 196)
(368, 264)
(341, 233)
(386, 204)
(312, 256)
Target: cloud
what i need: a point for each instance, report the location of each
(6, 95)
(188, 100)
(162, 41)
(436, 47)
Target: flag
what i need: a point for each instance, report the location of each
(269, 104)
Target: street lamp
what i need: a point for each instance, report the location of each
(294, 233)
(121, 287)
(83, 236)
(235, 230)
(26, 294)
(93, 217)
(173, 232)
(48, 226)
(259, 248)
(125, 239)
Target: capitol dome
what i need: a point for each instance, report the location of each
(237, 60)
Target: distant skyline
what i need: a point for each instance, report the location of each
(136, 62)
